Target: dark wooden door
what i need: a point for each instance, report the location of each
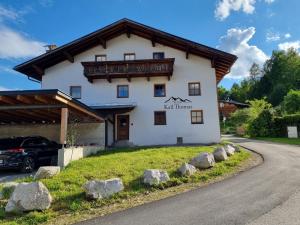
(123, 127)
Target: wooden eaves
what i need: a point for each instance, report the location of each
(42, 106)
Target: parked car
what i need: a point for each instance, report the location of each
(26, 153)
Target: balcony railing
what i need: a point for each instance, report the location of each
(127, 69)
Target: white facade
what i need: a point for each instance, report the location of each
(142, 130)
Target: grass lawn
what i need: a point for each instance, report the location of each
(292, 141)
(127, 164)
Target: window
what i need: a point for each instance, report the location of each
(100, 58)
(158, 55)
(129, 56)
(75, 92)
(194, 89)
(159, 90)
(196, 116)
(160, 118)
(122, 91)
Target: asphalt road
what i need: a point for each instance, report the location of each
(248, 197)
(11, 175)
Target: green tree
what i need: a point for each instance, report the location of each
(280, 74)
(291, 102)
(223, 93)
(255, 72)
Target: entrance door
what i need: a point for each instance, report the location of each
(123, 127)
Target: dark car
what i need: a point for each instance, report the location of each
(26, 153)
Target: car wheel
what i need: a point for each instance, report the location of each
(28, 165)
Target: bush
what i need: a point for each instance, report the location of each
(256, 120)
(280, 124)
(262, 126)
(240, 117)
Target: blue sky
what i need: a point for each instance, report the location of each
(250, 29)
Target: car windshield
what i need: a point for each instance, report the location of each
(8, 143)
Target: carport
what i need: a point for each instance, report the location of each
(44, 107)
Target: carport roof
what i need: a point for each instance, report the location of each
(42, 106)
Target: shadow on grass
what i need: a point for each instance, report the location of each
(134, 149)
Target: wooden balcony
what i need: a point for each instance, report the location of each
(128, 69)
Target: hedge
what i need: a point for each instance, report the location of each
(281, 123)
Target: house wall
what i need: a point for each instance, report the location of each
(142, 128)
(87, 133)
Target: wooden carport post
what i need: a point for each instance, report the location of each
(64, 125)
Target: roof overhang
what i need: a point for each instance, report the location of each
(42, 106)
(35, 67)
(111, 109)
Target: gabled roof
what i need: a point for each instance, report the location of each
(35, 67)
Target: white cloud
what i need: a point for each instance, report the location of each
(287, 45)
(271, 36)
(224, 7)
(8, 14)
(236, 41)
(7, 70)
(287, 35)
(14, 44)
(46, 3)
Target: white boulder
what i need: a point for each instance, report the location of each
(220, 154)
(47, 172)
(98, 189)
(28, 197)
(229, 150)
(187, 169)
(236, 147)
(203, 161)
(155, 176)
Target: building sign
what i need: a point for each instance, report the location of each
(177, 103)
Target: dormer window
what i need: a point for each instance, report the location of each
(100, 58)
(129, 56)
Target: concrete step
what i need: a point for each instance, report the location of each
(123, 143)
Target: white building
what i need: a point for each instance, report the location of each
(151, 87)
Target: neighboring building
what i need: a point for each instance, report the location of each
(151, 87)
(226, 107)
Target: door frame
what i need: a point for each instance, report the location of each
(117, 125)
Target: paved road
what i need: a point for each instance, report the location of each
(7, 176)
(248, 197)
